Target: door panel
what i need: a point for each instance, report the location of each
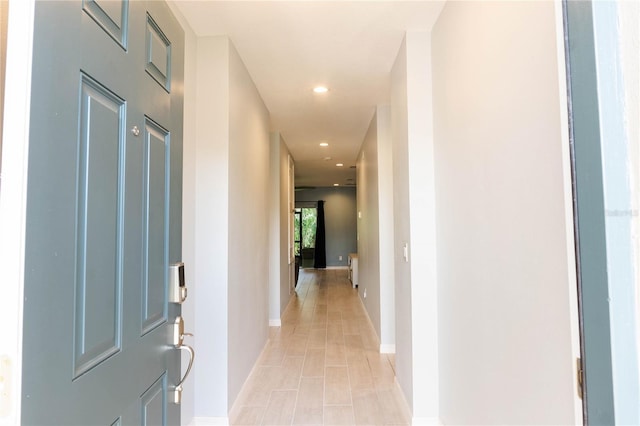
(98, 278)
(158, 54)
(103, 215)
(112, 16)
(156, 230)
(153, 403)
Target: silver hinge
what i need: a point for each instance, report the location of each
(580, 377)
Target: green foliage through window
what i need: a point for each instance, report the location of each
(304, 229)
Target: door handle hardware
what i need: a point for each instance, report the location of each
(178, 343)
(177, 393)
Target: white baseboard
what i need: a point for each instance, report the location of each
(426, 421)
(387, 349)
(337, 267)
(209, 421)
(275, 323)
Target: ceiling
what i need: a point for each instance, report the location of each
(290, 47)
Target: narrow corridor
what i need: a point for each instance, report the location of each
(322, 367)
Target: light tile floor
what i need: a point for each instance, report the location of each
(322, 367)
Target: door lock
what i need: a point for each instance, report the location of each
(178, 332)
(177, 287)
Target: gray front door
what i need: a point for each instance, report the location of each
(103, 214)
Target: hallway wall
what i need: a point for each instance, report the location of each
(629, 36)
(506, 294)
(279, 268)
(375, 227)
(248, 225)
(369, 224)
(414, 227)
(612, 363)
(231, 186)
(340, 220)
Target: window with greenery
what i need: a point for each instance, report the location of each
(296, 231)
(304, 229)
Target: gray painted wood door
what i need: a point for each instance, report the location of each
(103, 214)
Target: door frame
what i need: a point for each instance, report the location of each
(13, 195)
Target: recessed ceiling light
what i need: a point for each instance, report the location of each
(320, 89)
(336, 184)
(324, 144)
(339, 164)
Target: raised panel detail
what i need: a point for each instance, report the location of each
(155, 225)
(112, 16)
(158, 54)
(117, 422)
(153, 402)
(99, 245)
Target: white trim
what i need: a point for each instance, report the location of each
(572, 278)
(275, 323)
(325, 268)
(209, 421)
(13, 197)
(426, 421)
(388, 348)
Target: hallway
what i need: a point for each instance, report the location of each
(322, 366)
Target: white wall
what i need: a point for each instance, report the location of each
(616, 83)
(248, 308)
(414, 227)
(369, 224)
(629, 36)
(211, 277)
(375, 227)
(385, 235)
(404, 326)
(279, 268)
(629, 15)
(505, 291)
(231, 157)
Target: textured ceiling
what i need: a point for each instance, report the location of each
(291, 46)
